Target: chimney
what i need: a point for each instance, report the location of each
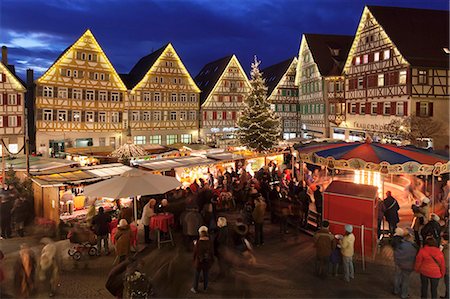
(30, 78)
(5, 55)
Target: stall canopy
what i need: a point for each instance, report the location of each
(39, 163)
(80, 175)
(172, 163)
(132, 183)
(385, 158)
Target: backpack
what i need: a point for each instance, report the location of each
(137, 285)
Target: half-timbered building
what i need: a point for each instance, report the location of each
(12, 116)
(224, 86)
(79, 100)
(163, 100)
(320, 81)
(282, 93)
(398, 66)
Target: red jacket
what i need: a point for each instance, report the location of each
(427, 266)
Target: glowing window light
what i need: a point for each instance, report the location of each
(369, 178)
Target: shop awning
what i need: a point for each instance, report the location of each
(169, 164)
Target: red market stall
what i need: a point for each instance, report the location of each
(355, 204)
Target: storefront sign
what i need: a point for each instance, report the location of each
(374, 127)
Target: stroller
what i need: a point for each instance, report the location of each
(83, 241)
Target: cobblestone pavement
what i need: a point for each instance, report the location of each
(284, 268)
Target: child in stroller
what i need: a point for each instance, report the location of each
(82, 240)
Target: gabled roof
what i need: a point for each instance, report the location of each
(141, 68)
(419, 34)
(12, 71)
(274, 73)
(209, 75)
(322, 46)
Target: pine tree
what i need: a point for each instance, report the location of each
(258, 127)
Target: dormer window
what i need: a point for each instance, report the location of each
(334, 52)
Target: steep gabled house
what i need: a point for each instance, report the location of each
(163, 102)
(398, 66)
(224, 86)
(282, 93)
(321, 84)
(80, 100)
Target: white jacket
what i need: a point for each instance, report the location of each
(147, 212)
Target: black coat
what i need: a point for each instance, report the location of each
(391, 208)
(5, 211)
(100, 223)
(432, 228)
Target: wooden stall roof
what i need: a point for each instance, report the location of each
(39, 163)
(172, 163)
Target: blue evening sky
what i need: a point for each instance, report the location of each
(37, 31)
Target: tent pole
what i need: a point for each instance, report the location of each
(432, 193)
(362, 248)
(135, 209)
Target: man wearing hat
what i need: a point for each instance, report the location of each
(347, 250)
(404, 258)
(432, 228)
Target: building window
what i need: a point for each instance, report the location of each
(102, 117)
(157, 115)
(286, 107)
(12, 99)
(75, 73)
(352, 108)
(115, 96)
(146, 116)
(90, 116)
(161, 80)
(146, 97)
(171, 139)
(139, 139)
(402, 77)
(423, 109)
(183, 115)
(1, 126)
(77, 94)
(358, 60)
(102, 77)
(386, 108)
(173, 97)
(366, 58)
(331, 86)
(376, 56)
(338, 86)
(423, 74)
(155, 139)
(48, 114)
(183, 97)
(102, 95)
(12, 121)
(157, 97)
(48, 91)
(62, 93)
(193, 97)
(186, 138)
(386, 54)
(114, 117)
(332, 108)
(135, 116)
(102, 141)
(192, 115)
(76, 116)
(362, 108)
(360, 83)
(373, 108)
(400, 107)
(381, 80)
(272, 106)
(173, 115)
(62, 115)
(90, 96)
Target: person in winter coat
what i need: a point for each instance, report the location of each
(239, 233)
(404, 257)
(305, 200)
(318, 199)
(49, 268)
(147, 212)
(5, 215)
(221, 242)
(258, 218)
(24, 272)
(324, 243)
(431, 266)
(336, 256)
(203, 258)
(445, 249)
(122, 238)
(191, 222)
(421, 216)
(391, 208)
(347, 250)
(432, 228)
(101, 229)
(380, 216)
(19, 214)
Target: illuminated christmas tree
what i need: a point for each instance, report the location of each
(259, 127)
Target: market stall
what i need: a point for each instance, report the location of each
(58, 195)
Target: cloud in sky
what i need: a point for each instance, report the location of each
(37, 31)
